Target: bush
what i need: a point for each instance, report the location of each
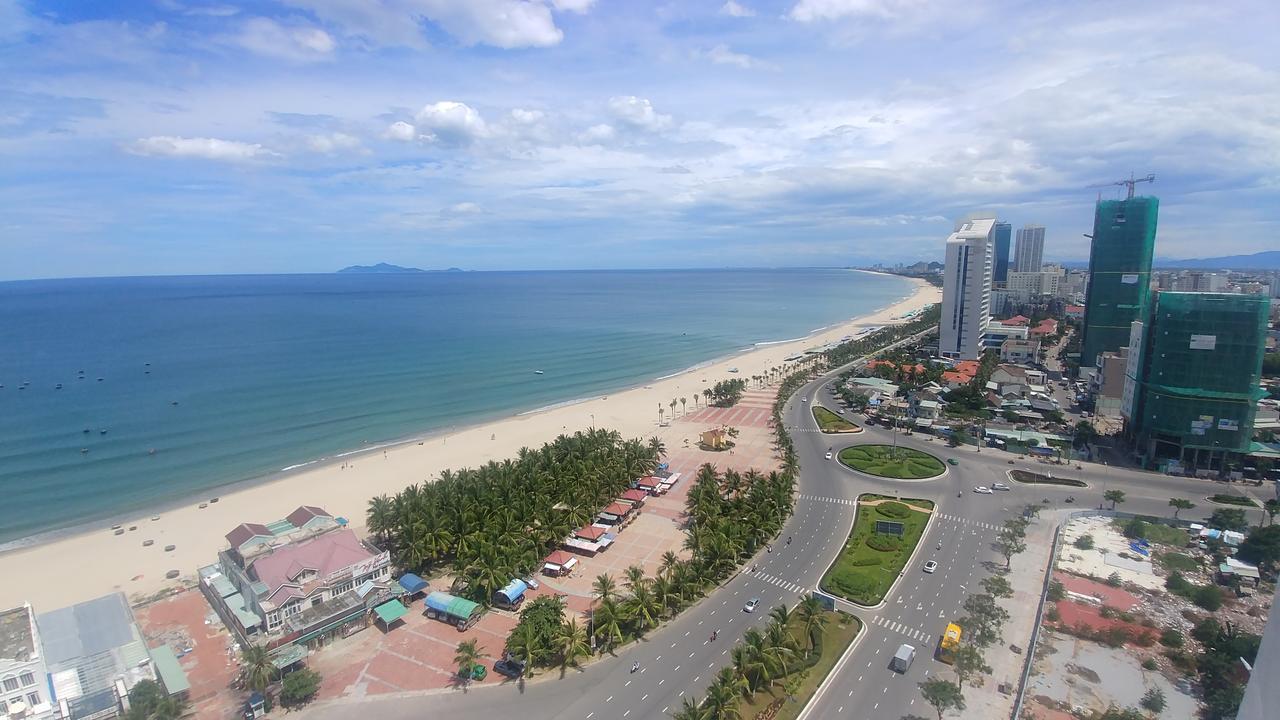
(1172, 637)
(884, 543)
(1149, 664)
(1143, 639)
(1114, 637)
(1135, 529)
(895, 510)
(1114, 580)
(866, 561)
(1228, 499)
(1207, 597)
(1177, 584)
(1107, 611)
(1052, 614)
(1056, 591)
(299, 687)
(1181, 660)
(1084, 542)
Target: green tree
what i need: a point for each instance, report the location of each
(1229, 519)
(1262, 547)
(465, 657)
(256, 668)
(943, 695)
(1153, 701)
(1114, 497)
(812, 616)
(1271, 508)
(984, 620)
(299, 687)
(690, 709)
(969, 663)
(1010, 542)
(604, 587)
(572, 643)
(533, 639)
(1180, 504)
(722, 699)
(148, 701)
(997, 586)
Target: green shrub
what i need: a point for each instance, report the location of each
(866, 561)
(1135, 529)
(1149, 664)
(895, 510)
(1084, 542)
(1113, 637)
(884, 543)
(1052, 614)
(1056, 590)
(1114, 580)
(1177, 584)
(1178, 561)
(1228, 499)
(1172, 637)
(1107, 611)
(1143, 639)
(1207, 597)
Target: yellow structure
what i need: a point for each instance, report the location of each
(949, 643)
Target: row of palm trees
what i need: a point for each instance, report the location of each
(764, 659)
(498, 521)
(852, 350)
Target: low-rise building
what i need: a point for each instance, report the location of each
(1019, 351)
(23, 676)
(1107, 384)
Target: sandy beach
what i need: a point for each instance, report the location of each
(96, 562)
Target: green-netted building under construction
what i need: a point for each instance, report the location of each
(1124, 238)
(1192, 382)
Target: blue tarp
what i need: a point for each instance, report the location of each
(412, 583)
(1138, 549)
(513, 591)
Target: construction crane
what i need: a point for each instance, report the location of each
(1129, 183)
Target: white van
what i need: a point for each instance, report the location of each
(903, 658)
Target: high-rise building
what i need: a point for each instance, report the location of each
(1191, 382)
(966, 289)
(1124, 236)
(1000, 266)
(1028, 286)
(1028, 254)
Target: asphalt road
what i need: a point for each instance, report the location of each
(679, 658)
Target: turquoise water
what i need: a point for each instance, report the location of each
(228, 378)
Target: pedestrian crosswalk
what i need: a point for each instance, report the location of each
(966, 521)
(914, 634)
(819, 498)
(784, 584)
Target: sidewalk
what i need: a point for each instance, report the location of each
(984, 698)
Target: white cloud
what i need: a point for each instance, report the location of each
(298, 42)
(598, 134)
(333, 143)
(811, 10)
(402, 131)
(638, 113)
(500, 23)
(451, 123)
(722, 55)
(204, 148)
(527, 117)
(464, 208)
(733, 9)
(574, 6)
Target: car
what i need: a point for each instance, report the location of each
(533, 584)
(1000, 486)
(828, 454)
(930, 566)
(952, 461)
(982, 490)
(751, 605)
(839, 411)
(804, 399)
(478, 672)
(510, 667)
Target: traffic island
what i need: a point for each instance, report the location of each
(1031, 478)
(889, 462)
(813, 661)
(832, 423)
(885, 534)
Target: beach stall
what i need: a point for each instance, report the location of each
(413, 586)
(559, 563)
(510, 596)
(634, 497)
(616, 513)
(389, 612)
(456, 611)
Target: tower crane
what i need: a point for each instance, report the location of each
(1128, 183)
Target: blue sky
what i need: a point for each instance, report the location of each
(216, 136)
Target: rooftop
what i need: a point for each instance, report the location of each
(17, 643)
(298, 563)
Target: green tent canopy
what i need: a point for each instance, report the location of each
(390, 611)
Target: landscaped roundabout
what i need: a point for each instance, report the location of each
(890, 462)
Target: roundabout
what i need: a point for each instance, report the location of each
(901, 463)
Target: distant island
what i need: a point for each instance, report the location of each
(389, 268)
(1267, 260)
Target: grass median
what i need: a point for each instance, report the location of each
(789, 700)
(888, 462)
(871, 561)
(830, 422)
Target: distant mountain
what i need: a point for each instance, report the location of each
(380, 268)
(1268, 260)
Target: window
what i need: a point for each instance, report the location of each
(33, 699)
(4, 708)
(27, 679)
(11, 684)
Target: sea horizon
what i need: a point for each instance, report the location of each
(203, 455)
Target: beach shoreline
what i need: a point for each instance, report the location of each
(343, 482)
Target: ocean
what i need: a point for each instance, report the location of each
(172, 386)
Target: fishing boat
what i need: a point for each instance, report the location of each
(538, 372)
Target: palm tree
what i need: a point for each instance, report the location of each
(781, 615)
(607, 621)
(572, 643)
(1271, 508)
(722, 697)
(669, 562)
(256, 668)
(381, 516)
(1113, 496)
(691, 709)
(604, 587)
(526, 643)
(465, 657)
(643, 609)
(673, 407)
(1180, 504)
(635, 577)
(812, 616)
(683, 402)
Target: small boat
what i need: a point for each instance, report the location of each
(102, 432)
(84, 451)
(58, 386)
(175, 402)
(148, 543)
(538, 372)
(170, 548)
(86, 431)
(100, 379)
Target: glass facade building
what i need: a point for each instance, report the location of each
(1000, 264)
(1124, 238)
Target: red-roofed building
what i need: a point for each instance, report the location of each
(590, 532)
(1046, 327)
(619, 508)
(634, 496)
(1017, 320)
(247, 533)
(558, 562)
(905, 367)
(1075, 312)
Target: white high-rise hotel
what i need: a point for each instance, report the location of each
(966, 289)
(1028, 249)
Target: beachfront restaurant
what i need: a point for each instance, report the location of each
(634, 497)
(617, 513)
(559, 563)
(589, 540)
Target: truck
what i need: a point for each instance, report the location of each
(456, 611)
(902, 659)
(949, 643)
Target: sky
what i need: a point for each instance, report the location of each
(218, 136)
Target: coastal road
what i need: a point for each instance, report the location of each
(678, 659)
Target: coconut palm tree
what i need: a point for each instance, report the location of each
(634, 577)
(691, 709)
(812, 616)
(683, 402)
(572, 643)
(604, 587)
(465, 657)
(607, 620)
(669, 561)
(722, 697)
(527, 644)
(643, 609)
(256, 668)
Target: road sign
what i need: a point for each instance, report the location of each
(888, 527)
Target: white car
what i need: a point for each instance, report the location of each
(751, 605)
(982, 490)
(839, 411)
(804, 399)
(930, 566)
(828, 455)
(1000, 486)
